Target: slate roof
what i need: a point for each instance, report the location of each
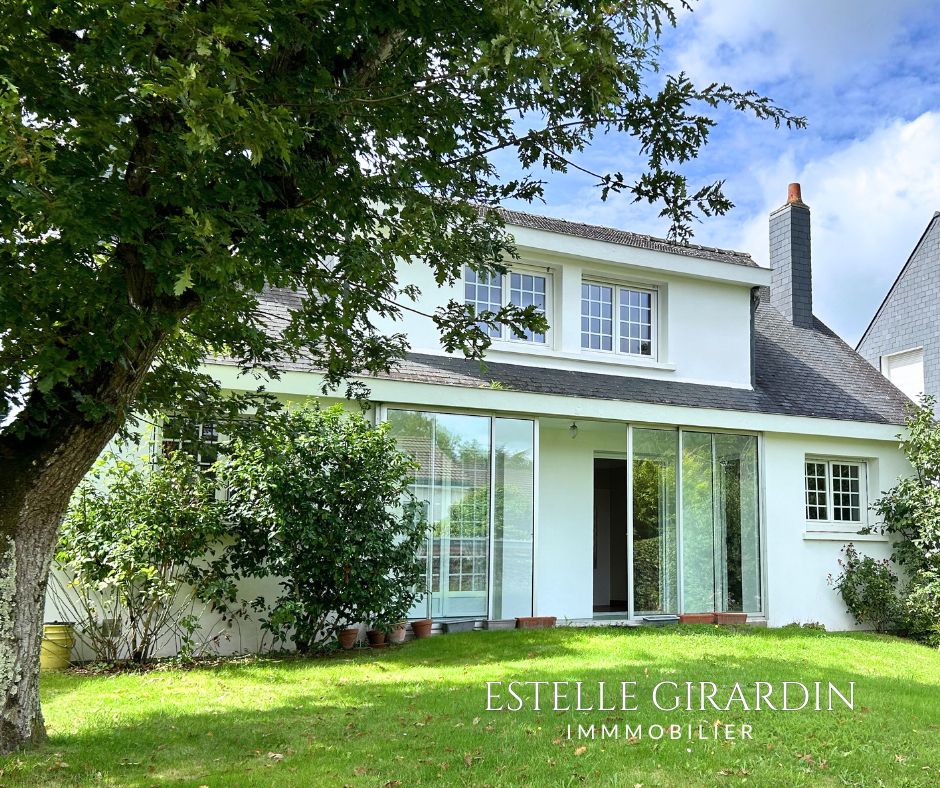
(799, 372)
(624, 238)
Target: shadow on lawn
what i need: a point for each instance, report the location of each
(365, 722)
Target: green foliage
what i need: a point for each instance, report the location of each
(320, 499)
(911, 514)
(164, 162)
(869, 589)
(138, 558)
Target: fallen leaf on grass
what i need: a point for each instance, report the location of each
(275, 756)
(581, 750)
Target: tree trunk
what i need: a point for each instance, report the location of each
(37, 478)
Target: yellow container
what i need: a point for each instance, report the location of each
(57, 643)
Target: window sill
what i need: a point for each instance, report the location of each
(843, 536)
(613, 359)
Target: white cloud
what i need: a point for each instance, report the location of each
(824, 40)
(870, 202)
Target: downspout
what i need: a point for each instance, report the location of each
(755, 302)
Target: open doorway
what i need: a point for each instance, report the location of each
(611, 584)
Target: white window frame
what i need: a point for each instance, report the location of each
(830, 523)
(617, 287)
(505, 333)
(160, 441)
(188, 444)
(887, 359)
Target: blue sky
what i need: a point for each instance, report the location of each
(867, 76)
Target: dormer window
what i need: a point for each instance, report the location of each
(520, 287)
(617, 318)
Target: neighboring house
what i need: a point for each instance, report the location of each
(903, 338)
(686, 437)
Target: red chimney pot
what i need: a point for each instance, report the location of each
(793, 194)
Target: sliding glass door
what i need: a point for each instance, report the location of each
(695, 526)
(475, 478)
(513, 518)
(698, 524)
(653, 491)
(720, 523)
(737, 524)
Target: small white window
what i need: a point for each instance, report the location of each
(620, 319)
(836, 493)
(520, 287)
(906, 371)
(198, 439)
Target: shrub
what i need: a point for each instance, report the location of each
(869, 590)
(319, 498)
(911, 514)
(138, 559)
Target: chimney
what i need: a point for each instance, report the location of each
(791, 285)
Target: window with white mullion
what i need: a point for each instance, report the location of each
(518, 288)
(597, 323)
(617, 318)
(198, 439)
(528, 290)
(835, 491)
(484, 294)
(636, 322)
(846, 494)
(817, 505)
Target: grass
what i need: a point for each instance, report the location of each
(415, 715)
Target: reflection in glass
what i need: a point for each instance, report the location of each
(453, 480)
(720, 527)
(698, 524)
(737, 524)
(513, 518)
(654, 521)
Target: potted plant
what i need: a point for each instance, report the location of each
(422, 627)
(58, 638)
(347, 637)
(376, 637)
(396, 634)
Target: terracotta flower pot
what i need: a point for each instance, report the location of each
(697, 618)
(730, 618)
(536, 622)
(397, 635)
(422, 627)
(376, 638)
(348, 637)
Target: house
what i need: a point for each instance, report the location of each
(903, 338)
(686, 436)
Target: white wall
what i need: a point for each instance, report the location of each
(703, 325)
(797, 568)
(564, 556)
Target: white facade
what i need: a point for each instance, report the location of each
(703, 330)
(797, 557)
(702, 324)
(584, 530)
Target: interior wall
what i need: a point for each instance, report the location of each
(617, 557)
(601, 542)
(564, 552)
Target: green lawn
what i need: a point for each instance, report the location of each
(416, 714)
